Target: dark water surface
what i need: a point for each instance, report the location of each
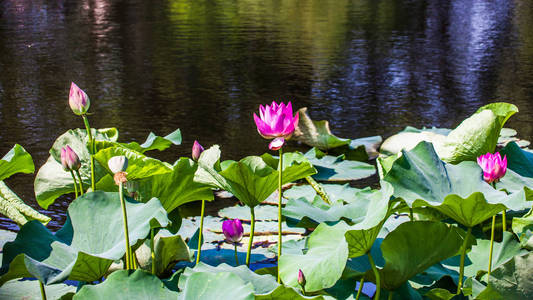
(370, 67)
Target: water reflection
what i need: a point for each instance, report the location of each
(371, 67)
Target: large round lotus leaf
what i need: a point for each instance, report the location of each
(91, 239)
(336, 168)
(30, 290)
(224, 285)
(153, 142)
(422, 179)
(335, 192)
(123, 285)
(518, 160)
(52, 181)
(252, 179)
(415, 246)
(324, 261)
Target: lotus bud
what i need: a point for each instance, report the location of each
(276, 144)
(233, 231)
(118, 165)
(494, 167)
(78, 100)
(69, 159)
(197, 149)
(301, 278)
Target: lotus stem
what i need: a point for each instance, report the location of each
(390, 295)
(92, 148)
(252, 227)
(318, 189)
(504, 221)
(236, 258)
(376, 273)
(43, 292)
(152, 253)
(75, 183)
(462, 263)
(201, 230)
(129, 261)
(411, 214)
(361, 282)
(280, 195)
(491, 245)
(80, 182)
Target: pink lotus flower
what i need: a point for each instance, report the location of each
(197, 149)
(78, 100)
(494, 167)
(232, 230)
(301, 278)
(276, 120)
(69, 159)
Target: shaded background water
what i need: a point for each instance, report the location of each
(370, 67)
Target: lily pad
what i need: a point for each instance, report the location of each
(316, 133)
(30, 290)
(78, 251)
(331, 168)
(205, 285)
(335, 192)
(518, 160)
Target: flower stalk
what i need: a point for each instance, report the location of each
(75, 183)
(200, 233)
(252, 228)
(129, 262)
(152, 253)
(376, 274)
(462, 262)
(280, 197)
(361, 283)
(92, 149)
(43, 292)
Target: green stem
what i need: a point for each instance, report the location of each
(280, 195)
(462, 263)
(92, 148)
(411, 214)
(491, 244)
(390, 295)
(43, 293)
(152, 253)
(201, 230)
(504, 221)
(80, 182)
(376, 273)
(318, 189)
(361, 282)
(75, 183)
(252, 228)
(129, 263)
(236, 258)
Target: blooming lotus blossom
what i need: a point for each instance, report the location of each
(232, 230)
(197, 149)
(69, 159)
(78, 100)
(494, 167)
(276, 120)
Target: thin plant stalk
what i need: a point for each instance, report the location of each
(411, 216)
(504, 221)
(252, 228)
(152, 253)
(491, 245)
(462, 263)
(43, 292)
(318, 189)
(129, 263)
(201, 230)
(361, 282)
(236, 258)
(280, 197)
(92, 148)
(75, 183)
(376, 273)
(390, 295)
(80, 182)
(133, 259)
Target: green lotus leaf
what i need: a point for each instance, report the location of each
(17, 160)
(433, 274)
(30, 290)
(262, 213)
(322, 264)
(523, 227)
(252, 179)
(335, 192)
(153, 142)
(123, 285)
(78, 251)
(475, 136)
(52, 181)
(207, 285)
(14, 208)
(414, 247)
(331, 168)
(518, 160)
(458, 191)
(316, 133)
(439, 294)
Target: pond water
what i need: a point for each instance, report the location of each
(369, 67)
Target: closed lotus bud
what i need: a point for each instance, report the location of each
(197, 149)
(232, 230)
(118, 164)
(78, 100)
(301, 278)
(69, 159)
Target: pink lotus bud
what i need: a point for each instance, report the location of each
(197, 149)
(118, 164)
(276, 120)
(69, 159)
(494, 167)
(276, 144)
(301, 278)
(77, 99)
(232, 230)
